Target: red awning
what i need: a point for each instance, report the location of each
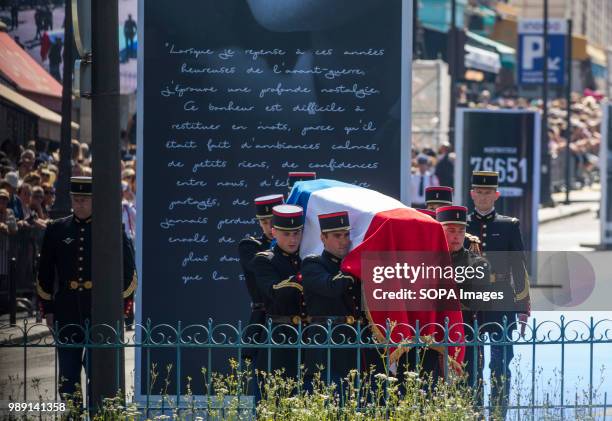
(21, 70)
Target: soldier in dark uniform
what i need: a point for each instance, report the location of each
(473, 243)
(277, 273)
(454, 221)
(332, 297)
(436, 196)
(247, 248)
(64, 280)
(295, 176)
(502, 245)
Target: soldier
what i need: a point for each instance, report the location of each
(331, 296)
(247, 248)
(454, 221)
(436, 196)
(296, 176)
(64, 280)
(474, 242)
(277, 273)
(502, 245)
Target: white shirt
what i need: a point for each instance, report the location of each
(429, 179)
(128, 217)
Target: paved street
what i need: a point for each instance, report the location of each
(567, 234)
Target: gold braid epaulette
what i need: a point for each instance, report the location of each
(288, 283)
(525, 292)
(130, 289)
(42, 293)
(474, 243)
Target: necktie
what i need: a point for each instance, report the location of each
(421, 185)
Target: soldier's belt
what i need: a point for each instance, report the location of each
(322, 320)
(258, 307)
(500, 277)
(76, 285)
(287, 319)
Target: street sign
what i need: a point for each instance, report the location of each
(531, 51)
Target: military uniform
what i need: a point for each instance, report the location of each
(502, 245)
(64, 283)
(331, 296)
(279, 283)
(472, 242)
(247, 249)
(471, 310)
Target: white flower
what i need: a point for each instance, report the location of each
(411, 374)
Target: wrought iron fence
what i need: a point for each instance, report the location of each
(26, 339)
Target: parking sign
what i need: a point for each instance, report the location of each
(531, 51)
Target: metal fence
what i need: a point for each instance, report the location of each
(26, 339)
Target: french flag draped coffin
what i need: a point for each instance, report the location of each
(380, 223)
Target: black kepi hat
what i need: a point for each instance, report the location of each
(337, 221)
(428, 212)
(485, 179)
(296, 176)
(439, 194)
(264, 205)
(80, 186)
(287, 217)
(452, 215)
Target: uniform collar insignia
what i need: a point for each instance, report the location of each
(81, 221)
(68, 240)
(487, 216)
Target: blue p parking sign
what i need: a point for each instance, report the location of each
(531, 51)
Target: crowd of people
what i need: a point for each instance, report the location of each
(435, 167)
(28, 178)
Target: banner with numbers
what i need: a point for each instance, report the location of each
(232, 95)
(507, 141)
